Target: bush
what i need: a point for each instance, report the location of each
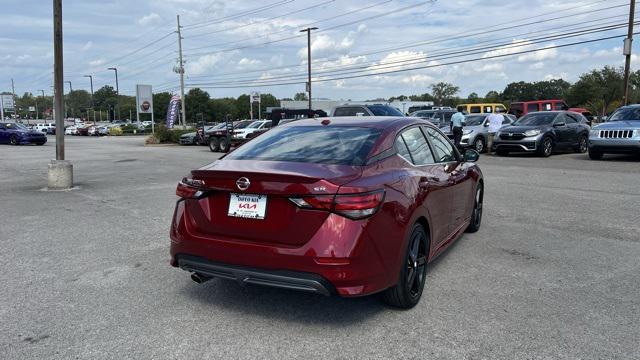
(151, 140)
(166, 136)
(115, 131)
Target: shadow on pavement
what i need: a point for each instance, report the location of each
(218, 294)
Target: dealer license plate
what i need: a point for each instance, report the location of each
(248, 206)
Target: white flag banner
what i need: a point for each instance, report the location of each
(144, 99)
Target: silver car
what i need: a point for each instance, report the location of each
(476, 130)
(619, 135)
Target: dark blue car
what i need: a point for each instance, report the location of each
(17, 134)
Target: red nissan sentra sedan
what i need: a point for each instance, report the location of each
(352, 206)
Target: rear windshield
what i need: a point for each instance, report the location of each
(310, 144)
(629, 113)
(382, 110)
(537, 118)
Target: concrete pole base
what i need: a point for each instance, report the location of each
(60, 175)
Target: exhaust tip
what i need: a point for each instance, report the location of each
(198, 278)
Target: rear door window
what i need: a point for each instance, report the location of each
(475, 109)
(401, 149)
(418, 146)
(532, 107)
(442, 146)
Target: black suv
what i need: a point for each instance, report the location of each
(440, 117)
(543, 133)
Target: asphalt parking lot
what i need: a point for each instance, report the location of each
(553, 273)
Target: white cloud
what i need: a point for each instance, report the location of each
(151, 19)
(87, 46)
(97, 62)
(537, 66)
(539, 55)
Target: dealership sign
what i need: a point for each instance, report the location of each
(172, 111)
(144, 99)
(7, 102)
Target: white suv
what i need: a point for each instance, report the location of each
(253, 127)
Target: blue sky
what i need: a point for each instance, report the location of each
(247, 43)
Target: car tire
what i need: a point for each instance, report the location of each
(214, 144)
(224, 144)
(583, 144)
(407, 292)
(595, 154)
(13, 140)
(502, 152)
(480, 145)
(476, 214)
(546, 147)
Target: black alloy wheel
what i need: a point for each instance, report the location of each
(546, 147)
(407, 292)
(476, 215)
(583, 145)
(214, 144)
(13, 140)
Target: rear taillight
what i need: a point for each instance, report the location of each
(352, 206)
(190, 188)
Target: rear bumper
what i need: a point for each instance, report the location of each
(341, 256)
(292, 280)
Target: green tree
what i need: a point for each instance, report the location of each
(473, 98)
(423, 97)
(160, 105)
(518, 91)
(77, 103)
(442, 92)
(492, 97)
(105, 99)
(598, 90)
(242, 107)
(268, 100)
(300, 96)
(197, 103)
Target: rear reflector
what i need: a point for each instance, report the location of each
(352, 206)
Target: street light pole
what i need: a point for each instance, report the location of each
(70, 91)
(117, 90)
(627, 51)
(94, 111)
(43, 99)
(308, 31)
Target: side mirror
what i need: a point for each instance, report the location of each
(560, 124)
(470, 155)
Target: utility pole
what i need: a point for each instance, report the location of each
(92, 108)
(308, 31)
(628, 42)
(181, 71)
(36, 99)
(13, 92)
(60, 174)
(117, 91)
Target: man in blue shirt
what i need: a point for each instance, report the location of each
(457, 122)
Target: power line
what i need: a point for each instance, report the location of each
(323, 30)
(413, 68)
(244, 13)
(442, 39)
